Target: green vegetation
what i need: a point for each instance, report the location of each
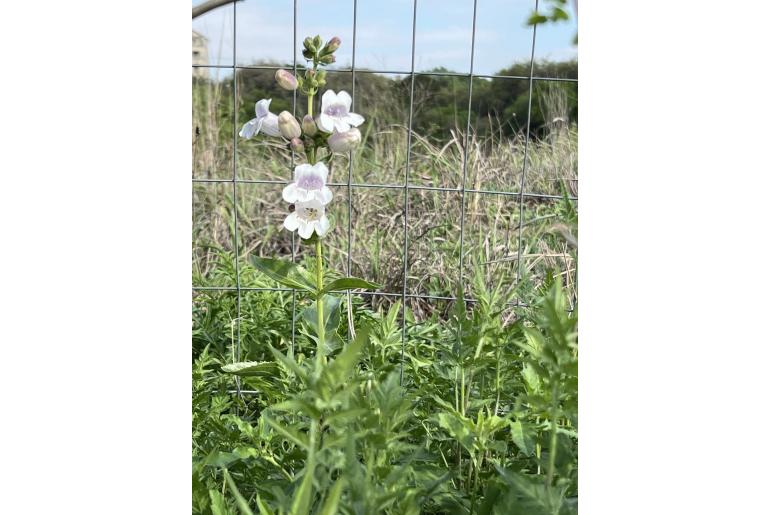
(477, 411)
(485, 422)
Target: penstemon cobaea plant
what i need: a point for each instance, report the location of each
(315, 139)
(325, 389)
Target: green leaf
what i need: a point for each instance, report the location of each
(531, 378)
(559, 14)
(490, 499)
(459, 428)
(251, 368)
(331, 308)
(536, 18)
(348, 283)
(522, 437)
(285, 272)
(345, 415)
(287, 433)
(289, 363)
(337, 371)
(330, 505)
(219, 459)
(302, 497)
(239, 500)
(264, 509)
(297, 406)
(218, 503)
(528, 494)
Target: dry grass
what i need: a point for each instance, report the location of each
(494, 163)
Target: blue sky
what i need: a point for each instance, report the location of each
(384, 33)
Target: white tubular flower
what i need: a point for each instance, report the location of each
(309, 184)
(265, 121)
(343, 142)
(308, 217)
(335, 112)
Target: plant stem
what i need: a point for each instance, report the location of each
(320, 302)
(552, 453)
(311, 151)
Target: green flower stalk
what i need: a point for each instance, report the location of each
(317, 137)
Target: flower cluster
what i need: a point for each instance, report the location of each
(333, 131)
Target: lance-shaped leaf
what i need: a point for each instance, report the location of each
(304, 494)
(528, 494)
(330, 504)
(331, 313)
(289, 434)
(522, 435)
(459, 428)
(218, 504)
(285, 272)
(264, 509)
(251, 368)
(340, 369)
(289, 363)
(349, 283)
(239, 500)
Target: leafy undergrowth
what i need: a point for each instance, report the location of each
(475, 413)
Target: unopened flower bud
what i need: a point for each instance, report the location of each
(333, 44)
(297, 145)
(327, 59)
(288, 125)
(308, 125)
(308, 43)
(342, 142)
(286, 80)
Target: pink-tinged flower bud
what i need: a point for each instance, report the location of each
(333, 44)
(308, 125)
(341, 142)
(286, 80)
(297, 145)
(288, 125)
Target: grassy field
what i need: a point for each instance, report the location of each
(492, 162)
(435, 406)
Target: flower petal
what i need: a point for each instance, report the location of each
(344, 98)
(250, 128)
(328, 98)
(324, 195)
(303, 195)
(292, 222)
(325, 122)
(301, 170)
(262, 108)
(305, 229)
(354, 119)
(290, 193)
(321, 170)
(270, 125)
(341, 125)
(322, 226)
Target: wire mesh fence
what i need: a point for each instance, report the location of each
(457, 190)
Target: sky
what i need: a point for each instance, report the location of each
(264, 32)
